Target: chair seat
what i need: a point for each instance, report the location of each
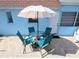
(27, 42)
(31, 40)
(40, 42)
(44, 41)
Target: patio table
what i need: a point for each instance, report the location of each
(33, 40)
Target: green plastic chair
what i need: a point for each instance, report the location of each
(32, 31)
(24, 41)
(47, 32)
(42, 43)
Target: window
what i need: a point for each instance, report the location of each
(9, 16)
(68, 18)
(31, 20)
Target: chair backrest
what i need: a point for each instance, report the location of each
(31, 29)
(20, 36)
(48, 30)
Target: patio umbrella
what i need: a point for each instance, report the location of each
(36, 12)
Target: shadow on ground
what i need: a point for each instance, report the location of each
(62, 47)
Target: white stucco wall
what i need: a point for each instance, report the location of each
(53, 24)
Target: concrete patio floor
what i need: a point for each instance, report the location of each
(11, 46)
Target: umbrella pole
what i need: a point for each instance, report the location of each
(37, 25)
(37, 28)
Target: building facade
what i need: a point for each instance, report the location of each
(69, 17)
(10, 23)
(65, 23)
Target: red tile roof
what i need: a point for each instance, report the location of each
(24, 3)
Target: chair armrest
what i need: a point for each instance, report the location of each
(46, 37)
(44, 45)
